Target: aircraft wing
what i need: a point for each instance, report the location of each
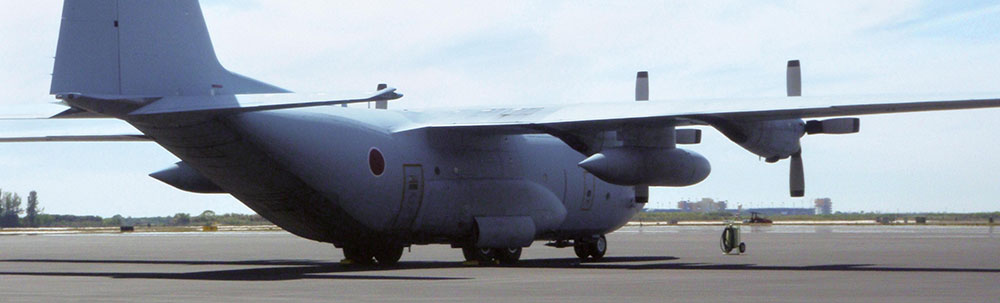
(682, 113)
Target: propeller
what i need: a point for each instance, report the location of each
(642, 94)
(796, 174)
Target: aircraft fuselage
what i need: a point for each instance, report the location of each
(343, 175)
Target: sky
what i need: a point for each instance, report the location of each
(511, 53)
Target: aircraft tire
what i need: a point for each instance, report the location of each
(582, 251)
(389, 255)
(591, 250)
(599, 248)
(484, 255)
(468, 254)
(358, 255)
(508, 256)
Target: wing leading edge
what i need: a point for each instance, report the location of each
(681, 113)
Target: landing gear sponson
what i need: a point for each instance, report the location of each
(591, 249)
(506, 256)
(381, 255)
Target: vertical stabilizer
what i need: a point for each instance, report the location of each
(141, 48)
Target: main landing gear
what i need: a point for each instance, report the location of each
(381, 255)
(506, 256)
(594, 249)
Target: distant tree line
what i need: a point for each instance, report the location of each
(11, 211)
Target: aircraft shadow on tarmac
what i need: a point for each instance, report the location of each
(281, 270)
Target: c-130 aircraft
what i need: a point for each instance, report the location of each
(374, 181)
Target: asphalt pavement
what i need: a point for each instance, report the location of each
(655, 264)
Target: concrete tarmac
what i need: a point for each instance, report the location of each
(655, 264)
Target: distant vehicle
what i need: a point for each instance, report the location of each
(755, 218)
(374, 181)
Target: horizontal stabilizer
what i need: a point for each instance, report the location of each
(252, 103)
(69, 130)
(82, 138)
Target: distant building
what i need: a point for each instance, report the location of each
(782, 211)
(824, 206)
(706, 205)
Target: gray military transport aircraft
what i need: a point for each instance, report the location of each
(374, 181)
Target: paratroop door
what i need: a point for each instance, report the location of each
(413, 195)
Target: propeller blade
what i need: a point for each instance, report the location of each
(796, 176)
(642, 86)
(793, 79)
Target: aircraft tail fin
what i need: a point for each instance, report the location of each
(141, 48)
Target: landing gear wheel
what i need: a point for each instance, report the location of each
(743, 247)
(469, 254)
(599, 248)
(508, 256)
(389, 255)
(594, 250)
(358, 255)
(582, 250)
(482, 255)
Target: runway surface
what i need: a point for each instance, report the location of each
(683, 264)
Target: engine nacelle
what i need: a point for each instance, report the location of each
(772, 140)
(648, 166)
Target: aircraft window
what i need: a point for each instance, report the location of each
(376, 162)
(588, 193)
(607, 196)
(437, 171)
